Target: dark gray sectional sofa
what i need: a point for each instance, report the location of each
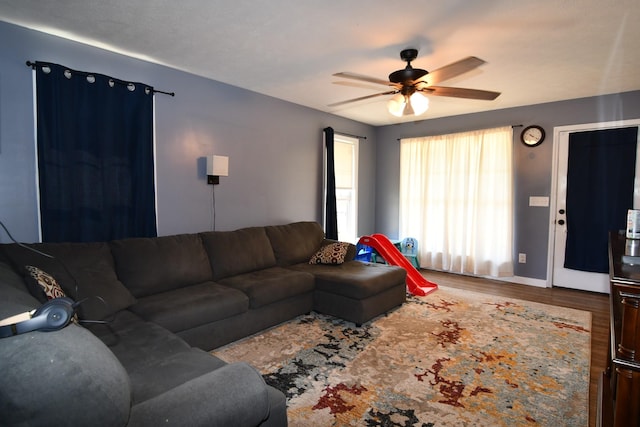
(162, 303)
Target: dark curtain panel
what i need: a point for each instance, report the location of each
(95, 156)
(600, 175)
(331, 218)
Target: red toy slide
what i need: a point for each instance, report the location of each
(417, 284)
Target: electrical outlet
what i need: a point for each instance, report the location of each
(522, 258)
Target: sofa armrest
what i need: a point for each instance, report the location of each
(65, 377)
(234, 394)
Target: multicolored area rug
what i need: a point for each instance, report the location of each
(452, 358)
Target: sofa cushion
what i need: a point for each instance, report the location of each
(333, 253)
(191, 306)
(129, 337)
(149, 266)
(9, 277)
(270, 285)
(13, 294)
(295, 242)
(155, 359)
(239, 251)
(355, 279)
(85, 271)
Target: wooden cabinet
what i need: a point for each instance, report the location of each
(623, 373)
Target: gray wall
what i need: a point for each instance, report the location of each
(274, 147)
(533, 166)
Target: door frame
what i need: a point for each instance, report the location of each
(585, 127)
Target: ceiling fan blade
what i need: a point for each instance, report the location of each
(362, 98)
(452, 70)
(458, 92)
(354, 76)
(361, 85)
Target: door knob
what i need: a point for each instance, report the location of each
(561, 211)
(561, 221)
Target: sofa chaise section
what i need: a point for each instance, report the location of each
(351, 290)
(357, 291)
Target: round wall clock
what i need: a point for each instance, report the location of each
(532, 136)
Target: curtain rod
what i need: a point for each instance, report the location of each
(351, 135)
(400, 139)
(32, 65)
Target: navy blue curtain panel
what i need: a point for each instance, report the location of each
(331, 213)
(95, 156)
(600, 175)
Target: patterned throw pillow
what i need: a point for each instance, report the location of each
(333, 253)
(43, 286)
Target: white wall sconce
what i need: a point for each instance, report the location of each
(217, 166)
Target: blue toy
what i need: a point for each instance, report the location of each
(409, 248)
(364, 253)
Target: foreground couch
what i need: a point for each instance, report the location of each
(150, 307)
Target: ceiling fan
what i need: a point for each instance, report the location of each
(409, 85)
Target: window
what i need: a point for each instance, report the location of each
(456, 199)
(346, 171)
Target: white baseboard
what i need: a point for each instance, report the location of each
(540, 283)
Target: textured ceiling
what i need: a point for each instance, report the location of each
(536, 50)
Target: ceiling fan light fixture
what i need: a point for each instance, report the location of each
(400, 104)
(396, 105)
(419, 103)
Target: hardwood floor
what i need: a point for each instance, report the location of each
(597, 304)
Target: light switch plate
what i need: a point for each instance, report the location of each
(542, 201)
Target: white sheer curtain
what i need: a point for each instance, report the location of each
(456, 199)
